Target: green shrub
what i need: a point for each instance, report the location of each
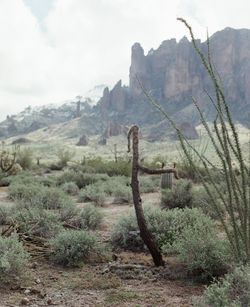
(70, 188)
(187, 232)
(80, 179)
(111, 168)
(94, 193)
(25, 158)
(89, 217)
(47, 181)
(126, 234)
(23, 191)
(68, 212)
(166, 226)
(231, 291)
(64, 156)
(202, 251)
(13, 258)
(37, 222)
(38, 195)
(73, 247)
(148, 184)
(179, 197)
(5, 213)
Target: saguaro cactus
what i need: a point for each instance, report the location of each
(145, 233)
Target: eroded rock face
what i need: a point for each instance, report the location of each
(173, 74)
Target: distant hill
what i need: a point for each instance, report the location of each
(173, 74)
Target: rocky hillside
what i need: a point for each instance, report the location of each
(33, 118)
(173, 75)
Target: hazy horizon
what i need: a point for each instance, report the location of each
(53, 50)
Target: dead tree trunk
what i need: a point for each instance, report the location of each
(145, 234)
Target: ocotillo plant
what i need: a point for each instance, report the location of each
(145, 233)
(225, 140)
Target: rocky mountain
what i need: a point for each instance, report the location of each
(33, 118)
(173, 74)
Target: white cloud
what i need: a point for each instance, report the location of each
(84, 43)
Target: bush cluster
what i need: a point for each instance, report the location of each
(37, 222)
(73, 247)
(117, 187)
(189, 233)
(13, 258)
(179, 197)
(35, 194)
(231, 291)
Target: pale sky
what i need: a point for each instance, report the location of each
(53, 50)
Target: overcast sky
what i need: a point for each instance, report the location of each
(52, 50)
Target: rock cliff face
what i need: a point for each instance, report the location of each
(173, 75)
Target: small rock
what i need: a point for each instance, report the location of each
(25, 301)
(38, 280)
(49, 301)
(27, 291)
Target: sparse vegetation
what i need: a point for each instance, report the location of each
(179, 197)
(12, 266)
(73, 247)
(231, 291)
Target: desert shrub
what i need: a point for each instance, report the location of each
(64, 156)
(166, 226)
(70, 188)
(38, 195)
(126, 234)
(68, 212)
(72, 248)
(111, 168)
(13, 258)
(179, 197)
(118, 187)
(80, 179)
(24, 177)
(94, 193)
(5, 213)
(4, 180)
(89, 217)
(37, 222)
(23, 191)
(148, 184)
(25, 158)
(48, 181)
(231, 291)
(202, 251)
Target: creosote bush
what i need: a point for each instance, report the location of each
(188, 233)
(231, 291)
(80, 178)
(70, 188)
(179, 197)
(90, 217)
(37, 222)
(117, 187)
(72, 247)
(37, 195)
(13, 258)
(202, 251)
